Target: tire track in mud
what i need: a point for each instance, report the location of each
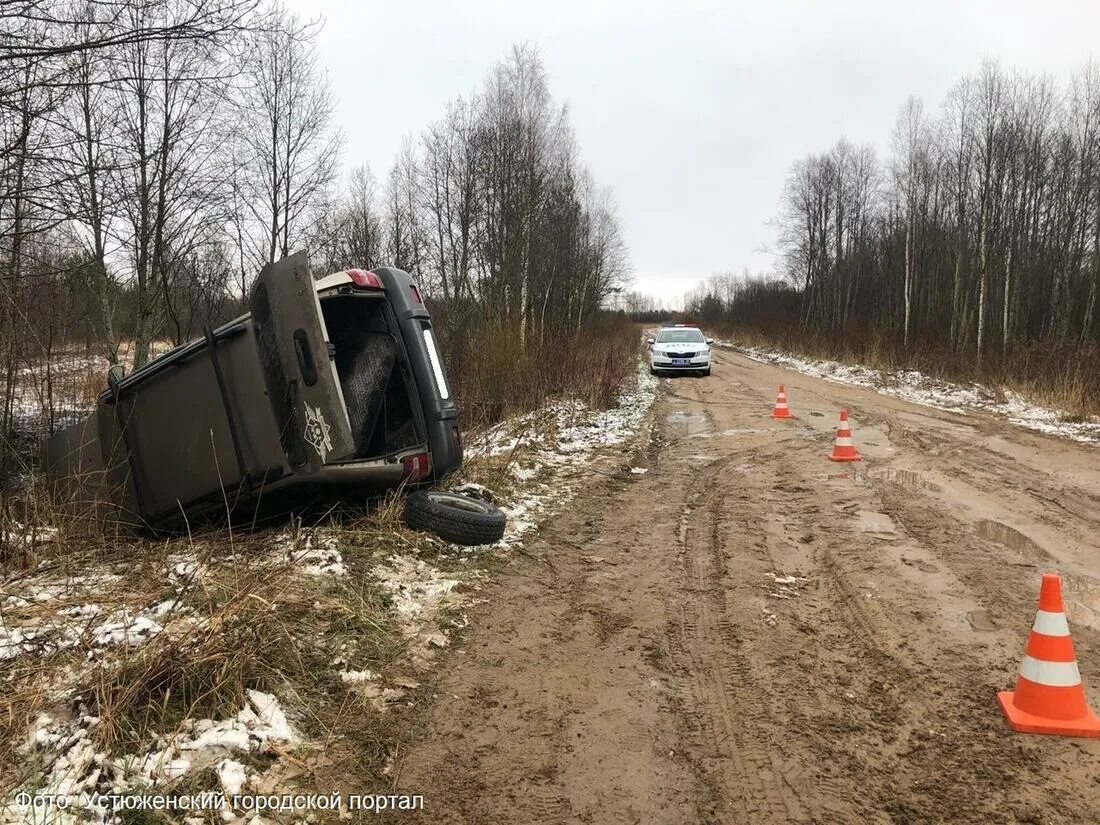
(785, 741)
(946, 724)
(988, 470)
(724, 707)
(750, 652)
(725, 701)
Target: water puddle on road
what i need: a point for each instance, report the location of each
(1010, 537)
(688, 424)
(910, 479)
(878, 525)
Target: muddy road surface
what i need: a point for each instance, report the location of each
(750, 633)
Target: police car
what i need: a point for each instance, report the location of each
(680, 348)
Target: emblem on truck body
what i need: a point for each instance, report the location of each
(318, 431)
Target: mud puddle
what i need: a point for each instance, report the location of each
(688, 424)
(1010, 537)
(909, 479)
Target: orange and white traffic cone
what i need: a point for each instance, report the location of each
(1049, 695)
(781, 409)
(843, 449)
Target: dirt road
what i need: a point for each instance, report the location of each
(749, 633)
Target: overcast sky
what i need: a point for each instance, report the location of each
(692, 112)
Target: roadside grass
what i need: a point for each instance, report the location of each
(242, 616)
(496, 375)
(1066, 379)
(237, 612)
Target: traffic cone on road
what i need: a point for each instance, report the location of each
(1049, 695)
(781, 409)
(843, 449)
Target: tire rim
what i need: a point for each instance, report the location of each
(459, 502)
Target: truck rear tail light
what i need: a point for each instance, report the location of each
(456, 437)
(415, 467)
(362, 279)
(416, 295)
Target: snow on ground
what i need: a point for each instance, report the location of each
(419, 592)
(21, 535)
(315, 552)
(69, 764)
(66, 385)
(59, 385)
(550, 449)
(50, 614)
(548, 455)
(919, 388)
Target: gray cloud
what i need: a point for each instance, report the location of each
(691, 112)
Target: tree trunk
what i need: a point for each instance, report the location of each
(983, 279)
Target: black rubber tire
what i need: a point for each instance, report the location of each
(458, 519)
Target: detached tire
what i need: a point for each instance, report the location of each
(458, 519)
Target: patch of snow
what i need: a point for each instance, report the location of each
(415, 587)
(81, 611)
(232, 776)
(272, 723)
(356, 677)
(520, 473)
(638, 471)
(785, 586)
(14, 641)
(915, 386)
(73, 626)
(418, 591)
(183, 568)
(315, 552)
(126, 631)
(552, 447)
(72, 764)
(28, 535)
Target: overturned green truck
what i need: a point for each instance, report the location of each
(329, 385)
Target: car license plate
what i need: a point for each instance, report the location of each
(680, 362)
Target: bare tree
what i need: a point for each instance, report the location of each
(986, 238)
(288, 147)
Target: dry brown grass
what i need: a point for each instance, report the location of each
(494, 376)
(1061, 378)
(251, 619)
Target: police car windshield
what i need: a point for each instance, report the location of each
(680, 336)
